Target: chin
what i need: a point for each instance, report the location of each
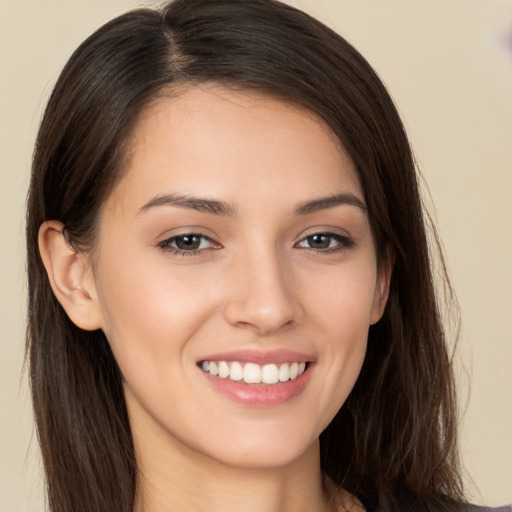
(263, 452)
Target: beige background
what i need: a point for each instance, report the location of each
(448, 64)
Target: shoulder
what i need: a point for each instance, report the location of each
(455, 507)
(474, 508)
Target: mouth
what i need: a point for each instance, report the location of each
(253, 373)
(258, 378)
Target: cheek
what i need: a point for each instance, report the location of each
(150, 313)
(151, 318)
(349, 315)
(343, 298)
(341, 318)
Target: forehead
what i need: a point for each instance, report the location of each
(214, 141)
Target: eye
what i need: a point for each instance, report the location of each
(189, 243)
(326, 242)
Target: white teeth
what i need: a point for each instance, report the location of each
(237, 371)
(253, 373)
(270, 374)
(223, 369)
(213, 368)
(284, 372)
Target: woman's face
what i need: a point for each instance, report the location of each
(237, 277)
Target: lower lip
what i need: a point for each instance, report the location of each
(260, 395)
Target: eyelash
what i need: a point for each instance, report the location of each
(342, 242)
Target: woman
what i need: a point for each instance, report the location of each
(231, 300)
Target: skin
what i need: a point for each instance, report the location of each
(256, 282)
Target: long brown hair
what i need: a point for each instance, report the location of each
(393, 443)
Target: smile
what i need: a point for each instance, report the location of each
(252, 373)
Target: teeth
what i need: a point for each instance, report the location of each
(223, 369)
(284, 372)
(252, 373)
(236, 371)
(270, 374)
(213, 368)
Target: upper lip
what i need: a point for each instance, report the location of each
(277, 356)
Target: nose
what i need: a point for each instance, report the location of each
(262, 295)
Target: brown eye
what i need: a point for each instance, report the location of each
(190, 243)
(319, 241)
(325, 242)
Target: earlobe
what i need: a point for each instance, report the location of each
(382, 285)
(70, 275)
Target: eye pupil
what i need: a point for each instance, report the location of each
(188, 242)
(319, 241)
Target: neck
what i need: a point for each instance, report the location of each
(174, 477)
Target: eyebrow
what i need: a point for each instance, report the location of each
(324, 203)
(191, 203)
(222, 208)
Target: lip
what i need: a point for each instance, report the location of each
(260, 395)
(279, 356)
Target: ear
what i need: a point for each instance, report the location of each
(380, 298)
(71, 277)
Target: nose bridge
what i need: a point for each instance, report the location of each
(263, 296)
